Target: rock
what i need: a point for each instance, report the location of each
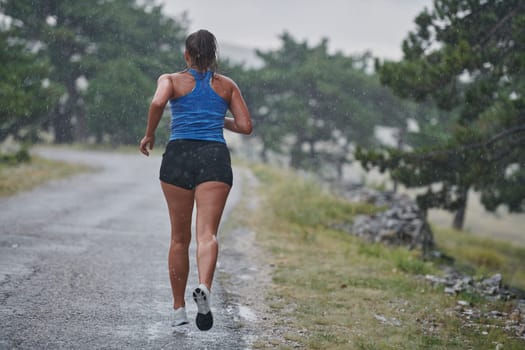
(467, 280)
(494, 281)
(403, 223)
(449, 290)
(458, 286)
(496, 313)
(456, 282)
(392, 322)
(381, 318)
(436, 254)
(435, 279)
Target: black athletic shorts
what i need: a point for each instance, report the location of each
(188, 163)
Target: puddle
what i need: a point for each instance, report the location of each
(155, 330)
(247, 314)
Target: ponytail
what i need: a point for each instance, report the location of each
(202, 48)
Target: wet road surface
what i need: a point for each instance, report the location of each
(83, 264)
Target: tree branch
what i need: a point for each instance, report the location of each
(499, 24)
(503, 134)
(507, 151)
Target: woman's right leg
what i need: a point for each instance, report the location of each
(211, 198)
(180, 205)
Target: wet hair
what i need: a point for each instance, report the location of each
(202, 48)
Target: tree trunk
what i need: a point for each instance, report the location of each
(80, 126)
(296, 152)
(295, 156)
(400, 143)
(315, 163)
(264, 154)
(62, 124)
(62, 127)
(459, 216)
(65, 130)
(340, 165)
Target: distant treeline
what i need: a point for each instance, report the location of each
(84, 71)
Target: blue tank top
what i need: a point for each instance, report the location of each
(199, 115)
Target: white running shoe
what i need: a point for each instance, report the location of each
(180, 317)
(204, 319)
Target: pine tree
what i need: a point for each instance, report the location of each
(313, 106)
(469, 58)
(25, 92)
(78, 38)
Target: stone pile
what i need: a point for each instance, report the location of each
(491, 288)
(402, 223)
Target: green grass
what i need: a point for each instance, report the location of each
(332, 290)
(483, 256)
(24, 176)
(104, 147)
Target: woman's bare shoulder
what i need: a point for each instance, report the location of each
(168, 77)
(182, 82)
(178, 75)
(224, 78)
(225, 81)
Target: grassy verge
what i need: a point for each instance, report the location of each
(102, 147)
(333, 291)
(483, 256)
(158, 148)
(24, 176)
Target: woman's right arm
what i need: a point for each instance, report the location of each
(241, 121)
(163, 93)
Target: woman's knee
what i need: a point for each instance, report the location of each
(207, 238)
(182, 241)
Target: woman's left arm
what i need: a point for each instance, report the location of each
(163, 93)
(241, 122)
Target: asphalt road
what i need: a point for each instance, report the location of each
(83, 264)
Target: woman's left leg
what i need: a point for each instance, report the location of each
(180, 206)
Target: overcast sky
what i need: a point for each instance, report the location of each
(351, 26)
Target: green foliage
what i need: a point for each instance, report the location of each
(21, 156)
(374, 250)
(402, 258)
(18, 175)
(313, 106)
(483, 256)
(305, 204)
(118, 112)
(24, 100)
(410, 264)
(469, 58)
(80, 40)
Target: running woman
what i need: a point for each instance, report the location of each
(196, 165)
